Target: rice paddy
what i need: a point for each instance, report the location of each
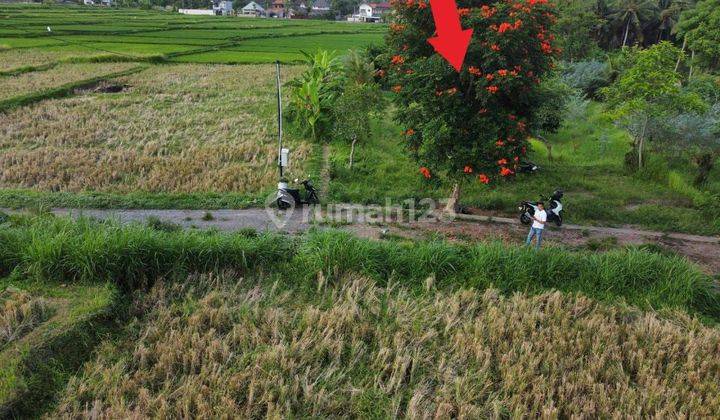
(83, 31)
(224, 345)
(173, 129)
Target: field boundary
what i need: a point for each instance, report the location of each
(62, 91)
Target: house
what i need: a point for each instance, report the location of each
(370, 12)
(252, 9)
(320, 7)
(278, 9)
(88, 2)
(222, 7)
(107, 3)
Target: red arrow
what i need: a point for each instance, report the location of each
(451, 41)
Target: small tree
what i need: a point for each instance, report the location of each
(649, 90)
(360, 98)
(476, 122)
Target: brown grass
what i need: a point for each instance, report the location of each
(14, 58)
(23, 84)
(225, 348)
(183, 128)
(20, 313)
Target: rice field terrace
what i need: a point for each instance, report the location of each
(174, 129)
(124, 34)
(198, 324)
(226, 346)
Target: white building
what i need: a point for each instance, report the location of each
(370, 12)
(223, 7)
(252, 9)
(196, 12)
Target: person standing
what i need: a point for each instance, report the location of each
(538, 226)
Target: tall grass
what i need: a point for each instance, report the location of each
(20, 312)
(222, 346)
(59, 249)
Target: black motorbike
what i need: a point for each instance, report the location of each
(289, 197)
(553, 208)
(527, 167)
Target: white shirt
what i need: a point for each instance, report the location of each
(542, 216)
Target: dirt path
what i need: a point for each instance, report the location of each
(704, 250)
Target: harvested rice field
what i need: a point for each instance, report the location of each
(227, 346)
(171, 128)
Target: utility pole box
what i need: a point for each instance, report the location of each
(284, 157)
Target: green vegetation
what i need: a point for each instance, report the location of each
(169, 36)
(131, 256)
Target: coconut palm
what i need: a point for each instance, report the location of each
(633, 15)
(670, 11)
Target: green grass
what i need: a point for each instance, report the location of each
(587, 164)
(57, 249)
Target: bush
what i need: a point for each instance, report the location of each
(588, 76)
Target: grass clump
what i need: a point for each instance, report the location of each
(223, 346)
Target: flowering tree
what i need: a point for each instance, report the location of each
(475, 123)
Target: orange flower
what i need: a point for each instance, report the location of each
(546, 47)
(490, 77)
(422, 5)
(487, 11)
(408, 71)
(502, 162)
(483, 111)
(438, 92)
(397, 27)
(463, 11)
(397, 59)
(521, 126)
(506, 172)
(468, 169)
(495, 47)
(396, 88)
(503, 72)
(484, 179)
(452, 91)
(409, 132)
(409, 3)
(504, 27)
(425, 172)
(516, 159)
(380, 73)
(500, 143)
(475, 71)
(493, 89)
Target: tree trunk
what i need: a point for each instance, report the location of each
(641, 143)
(682, 54)
(705, 163)
(352, 151)
(692, 64)
(453, 203)
(627, 32)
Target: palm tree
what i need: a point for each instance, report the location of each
(634, 14)
(670, 11)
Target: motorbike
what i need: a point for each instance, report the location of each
(553, 207)
(288, 197)
(527, 167)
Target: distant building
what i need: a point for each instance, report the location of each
(197, 12)
(222, 7)
(278, 9)
(252, 9)
(370, 12)
(99, 2)
(219, 8)
(320, 7)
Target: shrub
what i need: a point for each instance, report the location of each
(588, 76)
